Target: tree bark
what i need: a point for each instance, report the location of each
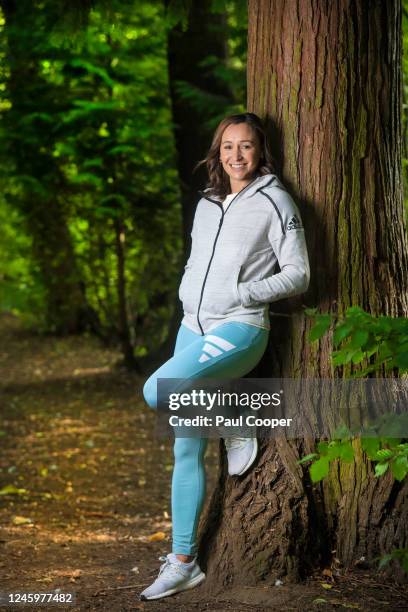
(327, 78)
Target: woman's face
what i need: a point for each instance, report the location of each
(240, 153)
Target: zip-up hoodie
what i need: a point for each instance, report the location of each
(230, 274)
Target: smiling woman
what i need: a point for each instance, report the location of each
(246, 223)
(240, 153)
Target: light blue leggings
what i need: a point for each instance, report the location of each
(231, 350)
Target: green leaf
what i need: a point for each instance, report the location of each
(89, 105)
(319, 469)
(333, 450)
(359, 338)
(399, 468)
(307, 458)
(358, 356)
(86, 178)
(101, 72)
(338, 357)
(341, 332)
(401, 360)
(381, 468)
(356, 310)
(370, 446)
(31, 117)
(320, 327)
(384, 453)
(346, 452)
(96, 162)
(120, 149)
(322, 447)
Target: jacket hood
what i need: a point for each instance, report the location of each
(254, 186)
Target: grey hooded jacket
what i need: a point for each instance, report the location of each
(229, 275)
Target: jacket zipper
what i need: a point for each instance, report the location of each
(209, 263)
(215, 243)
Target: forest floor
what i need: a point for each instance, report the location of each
(86, 508)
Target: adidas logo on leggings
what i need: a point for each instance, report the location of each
(217, 347)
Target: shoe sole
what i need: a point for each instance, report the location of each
(251, 460)
(188, 585)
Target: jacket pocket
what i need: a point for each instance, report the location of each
(256, 267)
(221, 293)
(182, 286)
(236, 283)
(185, 291)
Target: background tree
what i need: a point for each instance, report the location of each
(332, 93)
(39, 194)
(87, 124)
(98, 115)
(206, 62)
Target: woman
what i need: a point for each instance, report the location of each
(245, 224)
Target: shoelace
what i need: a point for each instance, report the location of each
(235, 443)
(169, 568)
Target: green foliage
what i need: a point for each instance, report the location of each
(231, 73)
(390, 454)
(384, 452)
(338, 448)
(86, 129)
(21, 290)
(399, 554)
(361, 337)
(375, 342)
(365, 340)
(94, 123)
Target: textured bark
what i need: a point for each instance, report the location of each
(326, 75)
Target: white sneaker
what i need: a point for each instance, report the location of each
(174, 576)
(241, 453)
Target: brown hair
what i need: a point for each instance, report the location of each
(218, 179)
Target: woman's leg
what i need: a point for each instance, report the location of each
(187, 493)
(188, 482)
(231, 350)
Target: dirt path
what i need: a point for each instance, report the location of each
(87, 503)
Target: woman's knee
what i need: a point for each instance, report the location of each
(150, 392)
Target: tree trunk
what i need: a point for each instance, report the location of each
(327, 77)
(205, 36)
(124, 332)
(66, 308)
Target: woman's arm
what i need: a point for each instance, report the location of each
(287, 238)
